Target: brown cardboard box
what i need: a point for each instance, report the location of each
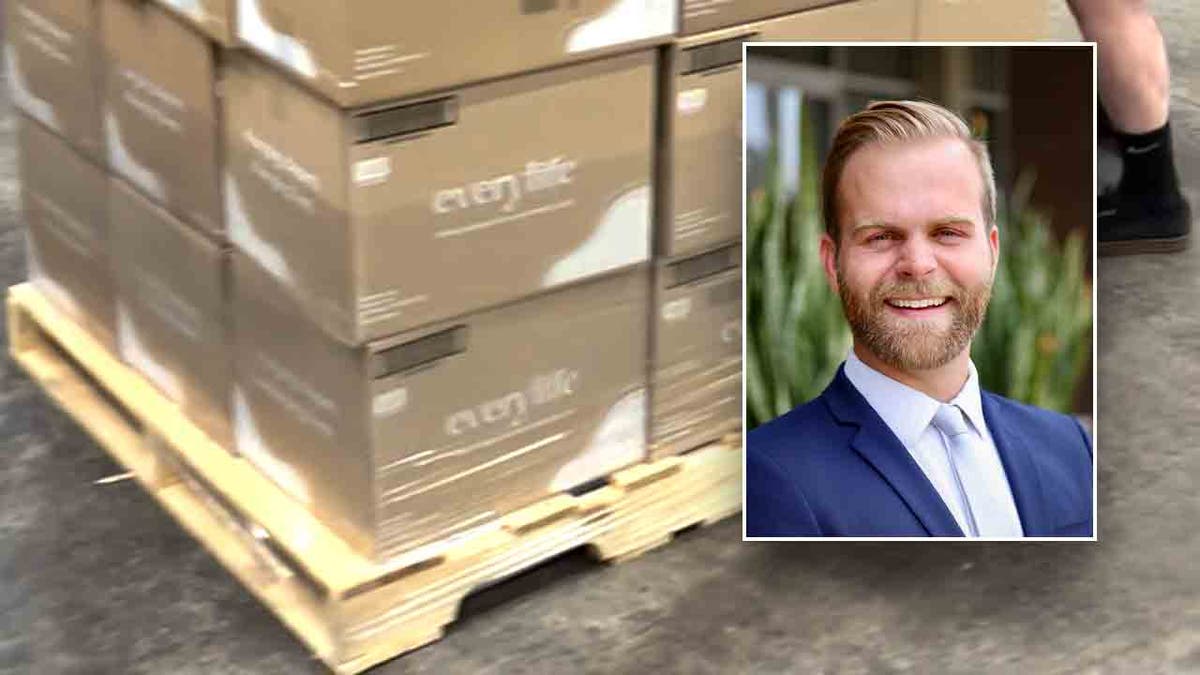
(160, 109)
(53, 71)
(368, 51)
(387, 219)
(696, 363)
(434, 433)
(699, 16)
(213, 17)
(700, 198)
(982, 20)
(66, 237)
(171, 308)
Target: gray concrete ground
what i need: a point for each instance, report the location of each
(97, 579)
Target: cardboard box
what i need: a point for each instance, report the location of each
(435, 433)
(387, 219)
(696, 363)
(53, 67)
(699, 16)
(171, 308)
(700, 177)
(369, 51)
(160, 109)
(982, 20)
(66, 237)
(213, 17)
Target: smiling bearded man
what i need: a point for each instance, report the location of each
(916, 318)
(904, 442)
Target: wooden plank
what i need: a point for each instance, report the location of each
(333, 562)
(126, 444)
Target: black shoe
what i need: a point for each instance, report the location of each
(1128, 224)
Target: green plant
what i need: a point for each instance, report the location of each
(1033, 345)
(1035, 342)
(797, 335)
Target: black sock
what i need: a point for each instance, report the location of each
(1148, 164)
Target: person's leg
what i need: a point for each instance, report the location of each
(1147, 213)
(1134, 79)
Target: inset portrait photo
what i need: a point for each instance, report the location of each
(919, 296)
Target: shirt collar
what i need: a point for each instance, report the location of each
(906, 411)
(971, 401)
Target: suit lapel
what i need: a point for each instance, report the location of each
(876, 443)
(1020, 468)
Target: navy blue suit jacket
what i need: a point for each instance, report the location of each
(832, 468)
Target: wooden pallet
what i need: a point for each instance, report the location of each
(351, 611)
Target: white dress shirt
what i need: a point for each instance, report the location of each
(909, 414)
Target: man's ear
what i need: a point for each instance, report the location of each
(829, 261)
(994, 244)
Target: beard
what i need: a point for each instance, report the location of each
(914, 344)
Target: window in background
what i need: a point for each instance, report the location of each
(825, 84)
(774, 133)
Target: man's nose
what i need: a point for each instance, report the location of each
(917, 258)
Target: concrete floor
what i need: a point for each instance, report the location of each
(97, 579)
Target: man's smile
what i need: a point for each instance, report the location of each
(917, 307)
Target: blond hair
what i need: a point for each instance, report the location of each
(892, 122)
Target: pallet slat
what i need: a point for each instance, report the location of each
(351, 611)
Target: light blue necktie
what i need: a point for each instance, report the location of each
(984, 508)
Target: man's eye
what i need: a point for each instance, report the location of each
(881, 236)
(949, 233)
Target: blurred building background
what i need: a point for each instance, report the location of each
(1033, 107)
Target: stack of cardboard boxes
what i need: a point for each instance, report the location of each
(119, 157)
(420, 264)
(442, 234)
